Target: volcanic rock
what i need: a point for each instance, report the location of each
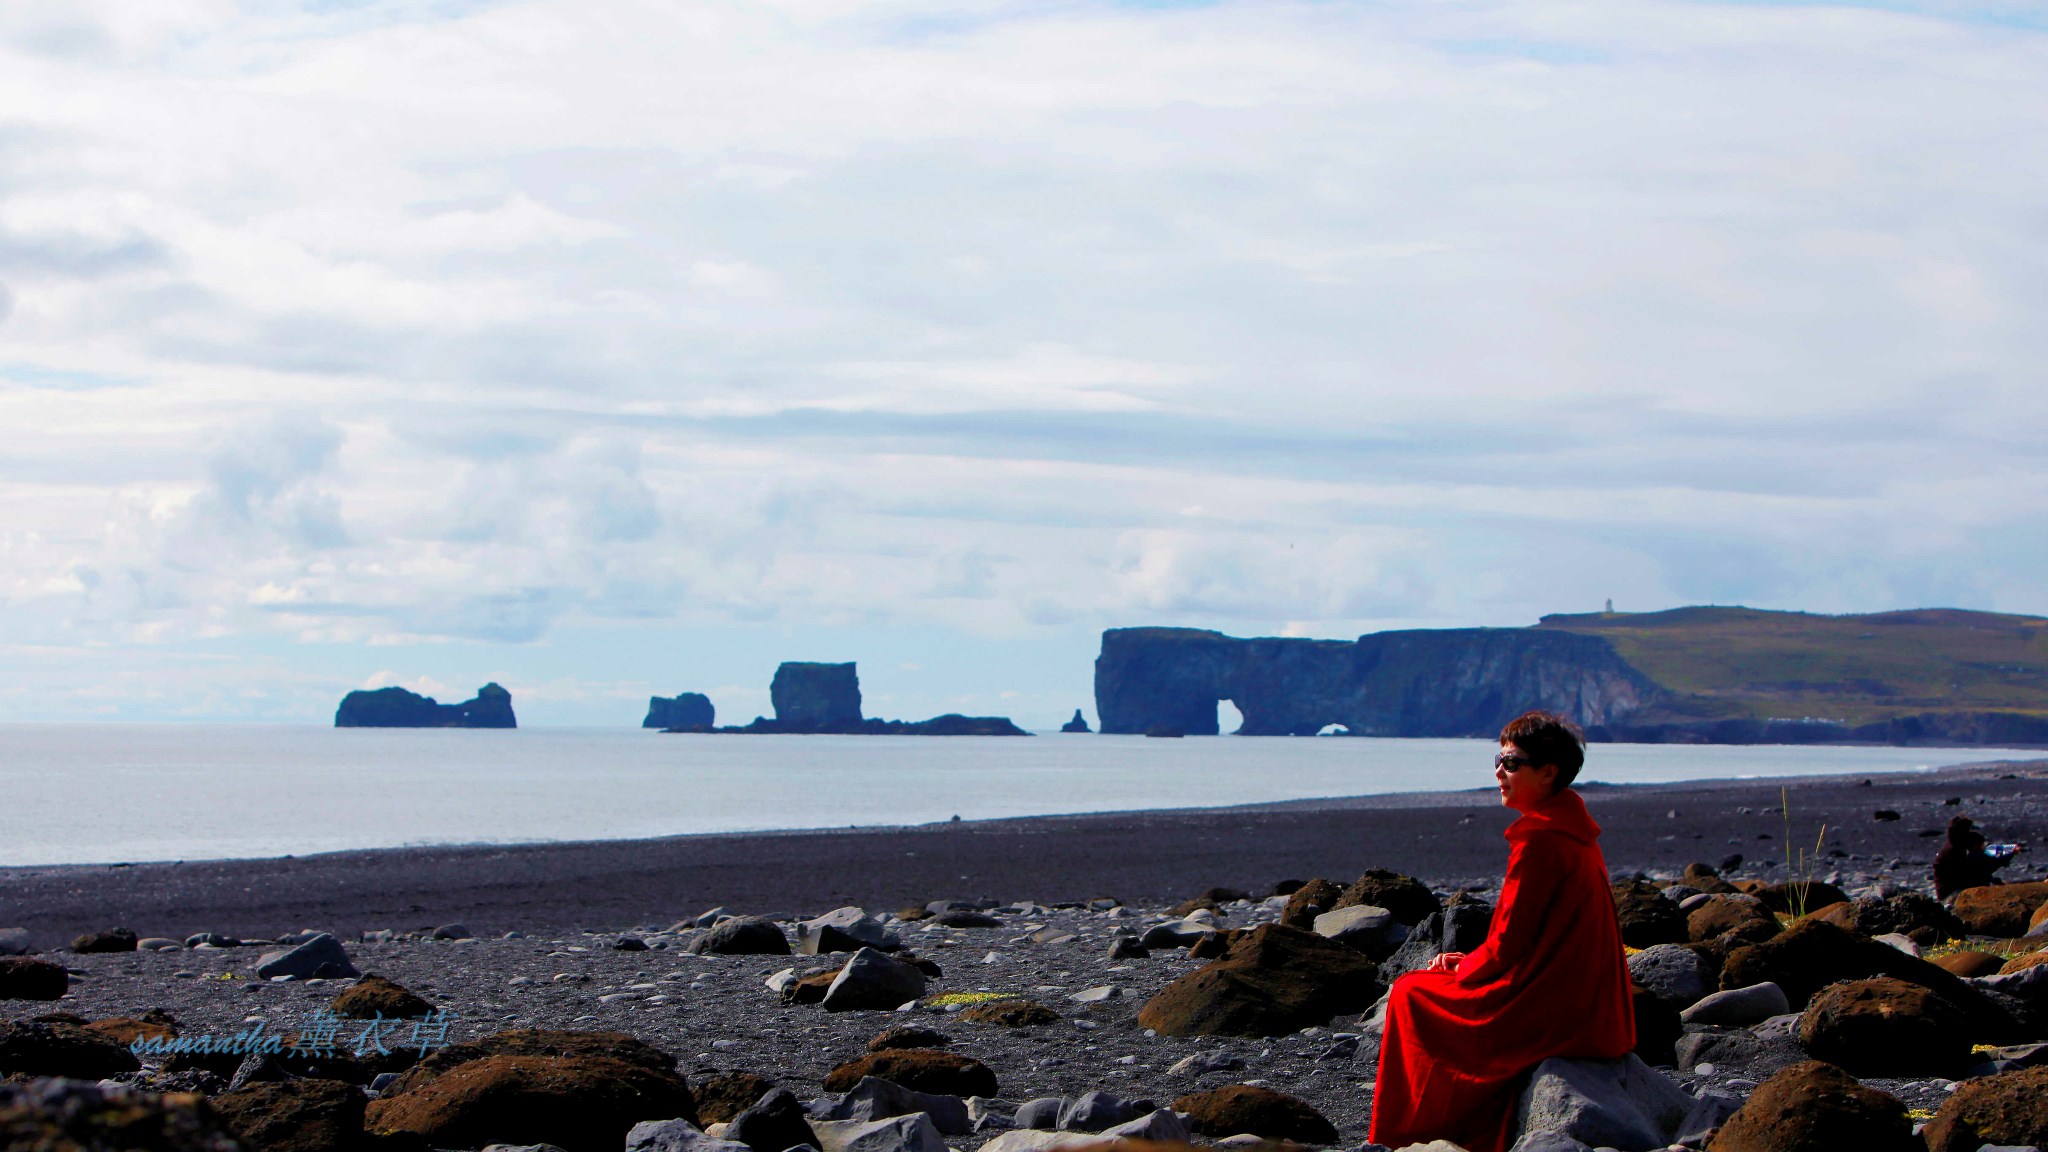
(1812, 954)
(1967, 963)
(112, 940)
(1011, 1014)
(374, 996)
(1677, 975)
(27, 978)
(295, 1116)
(815, 697)
(907, 1036)
(1743, 918)
(1305, 903)
(775, 1122)
(742, 936)
(873, 980)
(1914, 914)
(581, 1103)
(1237, 1108)
(844, 930)
(1079, 724)
(1885, 1027)
(16, 942)
(873, 1098)
(726, 1095)
(685, 711)
(1602, 1103)
(920, 1069)
(2000, 909)
(1658, 1027)
(1739, 1007)
(1274, 981)
(79, 1116)
(1409, 899)
(2010, 1110)
(1647, 918)
(1370, 929)
(322, 956)
(616, 1046)
(1816, 1107)
(70, 1050)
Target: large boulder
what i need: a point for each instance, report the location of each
(1461, 927)
(112, 940)
(1736, 918)
(1370, 929)
(375, 996)
(27, 978)
(1677, 975)
(671, 1135)
(914, 1132)
(1620, 1104)
(919, 1069)
(1916, 915)
(844, 930)
(1738, 1007)
(1885, 1027)
(1646, 916)
(2009, 1110)
(873, 981)
(295, 1116)
(1816, 1107)
(726, 1095)
(2000, 909)
(540, 1042)
(1409, 899)
(1309, 901)
(322, 956)
(873, 1098)
(741, 936)
(72, 1050)
(80, 1116)
(1274, 981)
(774, 1123)
(1812, 954)
(1239, 1108)
(581, 1104)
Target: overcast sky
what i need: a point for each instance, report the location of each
(604, 347)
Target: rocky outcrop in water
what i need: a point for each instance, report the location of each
(399, 708)
(824, 700)
(684, 712)
(1078, 724)
(1452, 682)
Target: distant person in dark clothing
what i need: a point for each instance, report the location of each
(1963, 862)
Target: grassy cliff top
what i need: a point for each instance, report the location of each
(1748, 662)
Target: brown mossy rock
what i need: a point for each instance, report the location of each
(1658, 1027)
(1213, 899)
(1409, 899)
(2022, 963)
(1309, 901)
(1813, 954)
(27, 978)
(69, 1050)
(112, 940)
(1816, 1107)
(1921, 917)
(126, 1030)
(920, 1070)
(726, 1095)
(1215, 944)
(1885, 1027)
(2039, 917)
(539, 1042)
(295, 1116)
(2007, 1109)
(1969, 964)
(809, 988)
(374, 996)
(1010, 1014)
(1736, 918)
(1236, 1108)
(1273, 981)
(1799, 897)
(579, 1103)
(915, 913)
(1647, 916)
(907, 1036)
(76, 1116)
(2005, 910)
(1706, 879)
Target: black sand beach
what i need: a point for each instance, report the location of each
(1448, 839)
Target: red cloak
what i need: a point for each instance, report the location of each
(1551, 980)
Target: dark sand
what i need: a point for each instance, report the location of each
(1446, 838)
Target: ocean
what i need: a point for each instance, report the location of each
(135, 792)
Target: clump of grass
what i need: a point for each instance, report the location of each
(1799, 867)
(2003, 949)
(945, 998)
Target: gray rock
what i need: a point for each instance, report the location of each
(871, 980)
(1709, 1111)
(2028, 984)
(1532, 1142)
(220, 940)
(1094, 1111)
(454, 932)
(1213, 1060)
(1097, 994)
(1127, 948)
(1036, 1141)
(1465, 926)
(1371, 930)
(676, 1136)
(844, 930)
(1673, 974)
(1739, 1007)
(1176, 934)
(986, 1114)
(1693, 901)
(158, 944)
(1680, 893)
(1042, 1114)
(912, 1133)
(875, 1099)
(322, 956)
(774, 1123)
(1723, 1048)
(1161, 1124)
(1622, 1103)
(15, 942)
(741, 936)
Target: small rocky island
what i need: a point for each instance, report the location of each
(1079, 724)
(824, 699)
(399, 708)
(683, 712)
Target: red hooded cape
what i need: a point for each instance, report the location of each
(1551, 980)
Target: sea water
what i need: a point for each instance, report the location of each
(112, 793)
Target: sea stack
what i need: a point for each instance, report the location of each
(1078, 724)
(816, 697)
(399, 708)
(685, 711)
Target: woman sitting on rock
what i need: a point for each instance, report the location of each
(1550, 980)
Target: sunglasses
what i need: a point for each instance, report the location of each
(1509, 762)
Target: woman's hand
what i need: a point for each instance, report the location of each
(1446, 962)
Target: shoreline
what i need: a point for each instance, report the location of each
(1447, 838)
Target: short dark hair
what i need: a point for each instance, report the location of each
(1547, 738)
